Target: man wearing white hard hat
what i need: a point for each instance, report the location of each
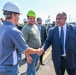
(10, 39)
(25, 21)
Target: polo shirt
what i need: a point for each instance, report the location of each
(10, 39)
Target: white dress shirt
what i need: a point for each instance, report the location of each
(64, 28)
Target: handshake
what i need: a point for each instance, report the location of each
(39, 51)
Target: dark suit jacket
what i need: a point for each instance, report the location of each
(70, 46)
(43, 34)
(19, 27)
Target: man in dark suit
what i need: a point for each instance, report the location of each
(63, 40)
(43, 35)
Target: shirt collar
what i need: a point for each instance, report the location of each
(64, 26)
(7, 23)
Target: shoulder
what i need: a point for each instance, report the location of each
(43, 27)
(12, 32)
(71, 26)
(15, 30)
(53, 28)
(26, 27)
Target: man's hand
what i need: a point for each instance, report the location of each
(29, 59)
(40, 51)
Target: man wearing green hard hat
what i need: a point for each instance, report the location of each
(31, 13)
(32, 37)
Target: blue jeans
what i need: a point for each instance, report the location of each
(31, 68)
(9, 70)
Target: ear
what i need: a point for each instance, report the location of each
(13, 16)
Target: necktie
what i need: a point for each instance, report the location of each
(62, 41)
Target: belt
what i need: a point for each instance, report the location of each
(63, 57)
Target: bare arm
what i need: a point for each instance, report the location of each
(33, 51)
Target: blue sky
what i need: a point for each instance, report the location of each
(43, 8)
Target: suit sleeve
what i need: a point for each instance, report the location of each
(45, 33)
(48, 41)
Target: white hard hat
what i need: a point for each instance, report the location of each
(47, 21)
(25, 20)
(12, 7)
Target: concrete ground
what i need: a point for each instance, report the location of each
(47, 69)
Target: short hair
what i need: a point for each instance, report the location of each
(62, 14)
(39, 18)
(8, 14)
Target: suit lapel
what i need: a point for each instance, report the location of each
(41, 30)
(57, 34)
(67, 34)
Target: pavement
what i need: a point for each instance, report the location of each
(47, 69)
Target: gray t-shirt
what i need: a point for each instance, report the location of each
(32, 35)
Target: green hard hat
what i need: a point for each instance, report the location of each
(31, 13)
